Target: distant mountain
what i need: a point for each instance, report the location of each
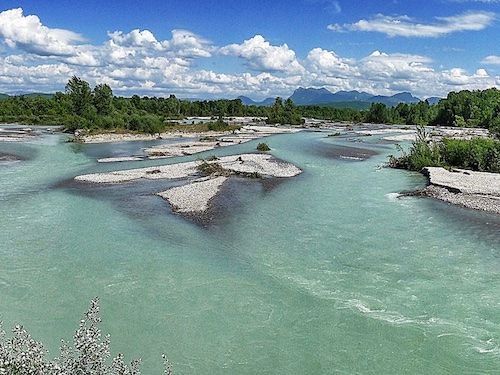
(433, 100)
(309, 96)
(28, 95)
(312, 96)
(35, 94)
(403, 97)
(247, 101)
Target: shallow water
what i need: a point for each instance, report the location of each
(324, 273)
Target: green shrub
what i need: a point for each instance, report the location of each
(211, 169)
(478, 154)
(219, 125)
(422, 153)
(263, 147)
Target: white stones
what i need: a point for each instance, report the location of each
(262, 164)
(402, 137)
(16, 134)
(480, 202)
(179, 149)
(477, 190)
(193, 197)
(119, 159)
(465, 181)
(245, 134)
(171, 171)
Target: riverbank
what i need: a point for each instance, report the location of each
(16, 133)
(470, 189)
(436, 133)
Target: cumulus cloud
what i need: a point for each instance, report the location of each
(183, 42)
(492, 60)
(405, 26)
(135, 38)
(329, 63)
(139, 62)
(259, 54)
(28, 33)
(188, 44)
(381, 66)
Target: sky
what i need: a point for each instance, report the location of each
(256, 48)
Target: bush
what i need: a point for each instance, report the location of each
(423, 153)
(478, 154)
(263, 147)
(21, 354)
(211, 169)
(219, 125)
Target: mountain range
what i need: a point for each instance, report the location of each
(312, 96)
(247, 101)
(352, 99)
(28, 95)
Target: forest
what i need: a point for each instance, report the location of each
(80, 106)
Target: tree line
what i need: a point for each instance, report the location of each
(81, 106)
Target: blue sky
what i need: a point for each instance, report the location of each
(257, 48)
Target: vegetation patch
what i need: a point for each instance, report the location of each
(99, 110)
(90, 354)
(286, 113)
(477, 154)
(263, 147)
(212, 169)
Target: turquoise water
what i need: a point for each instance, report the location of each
(324, 273)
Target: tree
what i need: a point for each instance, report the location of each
(80, 95)
(103, 99)
(378, 113)
(90, 354)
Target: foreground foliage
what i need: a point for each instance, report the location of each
(90, 355)
(477, 154)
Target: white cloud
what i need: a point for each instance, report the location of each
(188, 44)
(329, 63)
(405, 26)
(28, 33)
(261, 55)
(379, 65)
(140, 62)
(491, 60)
(135, 38)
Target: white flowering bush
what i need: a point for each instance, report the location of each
(20, 354)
